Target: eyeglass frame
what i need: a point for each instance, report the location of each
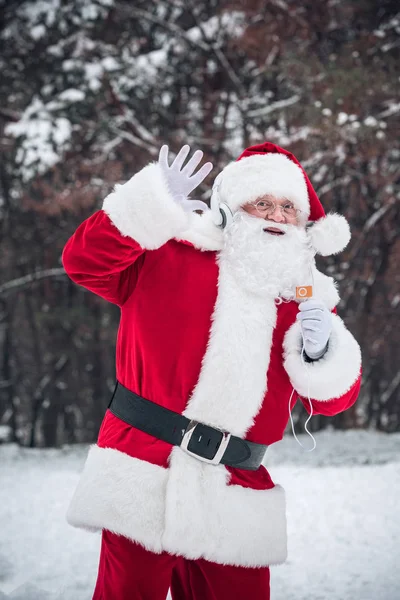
(274, 205)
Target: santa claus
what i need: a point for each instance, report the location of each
(225, 323)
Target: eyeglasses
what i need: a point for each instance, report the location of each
(266, 208)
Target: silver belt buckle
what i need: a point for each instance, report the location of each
(219, 453)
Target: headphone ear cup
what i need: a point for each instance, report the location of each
(226, 214)
(223, 216)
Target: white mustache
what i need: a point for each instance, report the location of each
(257, 224)
(281, 226)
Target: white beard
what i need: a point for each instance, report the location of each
(267, 264)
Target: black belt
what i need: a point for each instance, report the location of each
(205, 443)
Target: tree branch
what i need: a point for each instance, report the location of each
(391, 388)
(221, 58)
(22, 282)
(266, 110)
(369, 224)
(144, 14)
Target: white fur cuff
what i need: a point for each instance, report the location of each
(332, 375)
(143, 209)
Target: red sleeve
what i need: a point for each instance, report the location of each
(102, 260)
(332, 407)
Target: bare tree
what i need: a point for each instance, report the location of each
(87, 102)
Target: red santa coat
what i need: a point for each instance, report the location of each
(191, 340)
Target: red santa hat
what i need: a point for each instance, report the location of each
(268, 169)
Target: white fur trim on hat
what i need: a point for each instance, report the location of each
(330, 234)
(254, 176)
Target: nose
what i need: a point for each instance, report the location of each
(276, 216)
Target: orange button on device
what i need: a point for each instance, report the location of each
(304, 291)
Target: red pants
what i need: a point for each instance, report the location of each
(127, 571)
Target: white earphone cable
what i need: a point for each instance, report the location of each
(306, 366)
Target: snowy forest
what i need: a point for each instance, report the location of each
(90, 90)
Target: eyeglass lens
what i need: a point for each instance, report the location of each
(266, 207)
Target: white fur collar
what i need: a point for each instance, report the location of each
(202, 232)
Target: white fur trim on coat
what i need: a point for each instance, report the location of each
(253, 176)
(332, 375)
(143, 209)
(188, 509)
(222, 523)
(202, 232)
(122, 494)
(236, 361)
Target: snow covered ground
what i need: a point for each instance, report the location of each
(343, 517)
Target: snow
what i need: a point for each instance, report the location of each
(395, 301)
(40, 130)
(72, 95)
(110, 64)
(38, 32)
(93, 75)
(70, 64)
(320, 174)
(5, 433)
(231, 23)
(344, 532)
(36, 10)
(148, 64)
(370, 121)
(282, 138)
(392, 109)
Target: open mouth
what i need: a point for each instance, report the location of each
(274, 231)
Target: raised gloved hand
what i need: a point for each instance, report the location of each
(316, 326)
(182, 180)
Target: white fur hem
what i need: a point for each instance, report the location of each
(226, 524)
(188, 509)
(143, 209)
(122, 494)
(333, 374)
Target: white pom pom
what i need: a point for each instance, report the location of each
(329, 235)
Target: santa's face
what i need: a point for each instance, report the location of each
(280, 210)
(268, 249)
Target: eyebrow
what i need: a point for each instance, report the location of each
(272, 198)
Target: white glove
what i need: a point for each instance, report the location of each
(180, 180)
(316, 326)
